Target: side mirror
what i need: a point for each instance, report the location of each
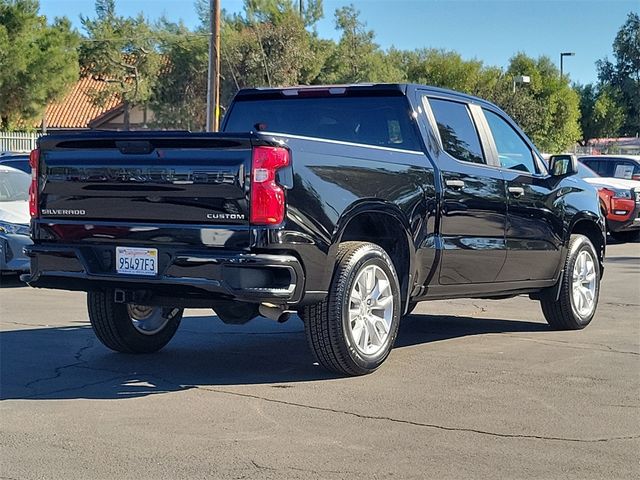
(561, 165)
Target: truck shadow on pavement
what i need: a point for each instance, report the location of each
(70, 363)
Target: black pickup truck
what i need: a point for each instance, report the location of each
(345, 204)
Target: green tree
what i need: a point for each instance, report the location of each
(623, 76)
(178, 98)
(269, 44)
(444, 69)
(601, 115)
(279, 11)
(356, 57)
(554, 124)
(38, 62)
(123, 53)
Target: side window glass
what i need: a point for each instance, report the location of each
(513, 152)
(458, 133)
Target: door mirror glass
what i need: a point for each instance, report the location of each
(561, 165)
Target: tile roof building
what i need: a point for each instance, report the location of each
(76, 110)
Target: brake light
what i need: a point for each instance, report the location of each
(267, 197)
(34, 163)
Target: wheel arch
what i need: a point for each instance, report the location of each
(385, 225)
(592, 227)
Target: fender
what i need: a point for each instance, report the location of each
(378, 207)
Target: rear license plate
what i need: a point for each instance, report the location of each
(137, 261)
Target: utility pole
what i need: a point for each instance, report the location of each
(213, 80)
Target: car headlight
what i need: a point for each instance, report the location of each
(622, 194)
(14, 228)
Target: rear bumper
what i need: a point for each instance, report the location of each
(194, 278)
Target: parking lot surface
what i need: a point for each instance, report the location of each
(474, 388)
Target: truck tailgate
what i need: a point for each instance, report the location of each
(142, 177)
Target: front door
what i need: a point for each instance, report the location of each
(534, 231)
(473, 206)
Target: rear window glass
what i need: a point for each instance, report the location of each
(380, 121)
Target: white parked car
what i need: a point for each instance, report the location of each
(14, 219)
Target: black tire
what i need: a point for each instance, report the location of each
(630, 236)
(562, 314)
(326, 323)
(115, 328)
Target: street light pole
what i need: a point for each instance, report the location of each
(562, 55)
(213, 78)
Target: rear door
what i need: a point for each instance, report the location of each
(473, 213)
(534, 228)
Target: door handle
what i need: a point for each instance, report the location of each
(455, 184)
(516, 191)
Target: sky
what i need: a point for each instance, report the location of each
(487, 30)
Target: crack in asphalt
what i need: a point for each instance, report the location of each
(577, 346)
(297, 469)
(180, 387)
(417, 424)
(24, 325)
(89, 343)
(616, 304)
(57, 371)
(74, 387)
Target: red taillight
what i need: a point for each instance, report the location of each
(267, 197)
(34, 162)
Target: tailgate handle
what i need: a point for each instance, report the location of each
(136, 147)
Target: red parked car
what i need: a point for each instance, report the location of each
(620, 202)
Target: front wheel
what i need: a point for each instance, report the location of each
(353, 330)
(131, 328)
(579, 288)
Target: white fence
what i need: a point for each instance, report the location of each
(18, 141)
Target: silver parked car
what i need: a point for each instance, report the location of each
(14, 219)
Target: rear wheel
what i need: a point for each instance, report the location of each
(353, 330)
(131, 328)
(579, 288)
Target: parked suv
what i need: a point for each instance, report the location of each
(345, 204)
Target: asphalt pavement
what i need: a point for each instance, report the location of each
(473, 389)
